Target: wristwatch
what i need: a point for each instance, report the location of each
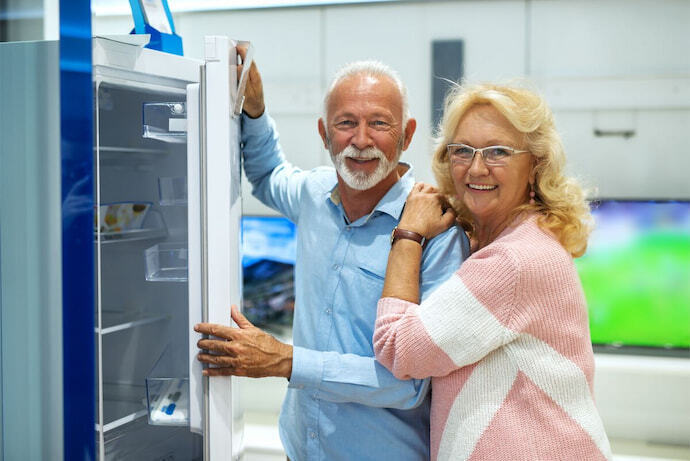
(409, 235)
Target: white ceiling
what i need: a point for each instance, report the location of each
(119, 7)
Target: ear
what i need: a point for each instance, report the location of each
(409, 131)
(323, 133)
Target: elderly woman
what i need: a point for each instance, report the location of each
(506, 338)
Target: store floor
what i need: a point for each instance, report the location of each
(262, 443)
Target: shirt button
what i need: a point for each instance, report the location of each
(336, 267)
(312, 435)
(348, 229)
(314, 396)
(328, 310)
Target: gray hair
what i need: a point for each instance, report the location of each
(373, 69)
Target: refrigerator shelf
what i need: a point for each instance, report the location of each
(131, 235)
(114, 321)
(128, 151)
(165, 121)
(166, 262)
(138, 440)
(122, 403)
(153, 228)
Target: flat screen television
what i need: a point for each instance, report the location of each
(636, 276)
(268, 261)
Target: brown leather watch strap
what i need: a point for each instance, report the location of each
(409, 235)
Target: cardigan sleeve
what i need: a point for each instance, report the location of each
(464, 320)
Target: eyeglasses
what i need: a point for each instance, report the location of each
(462, 154)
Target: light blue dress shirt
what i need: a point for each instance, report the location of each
(341, 404)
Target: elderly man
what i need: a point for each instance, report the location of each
(341, 404)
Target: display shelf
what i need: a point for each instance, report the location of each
(165, 121)
(122, 403)
(118, 320)
(167, 262)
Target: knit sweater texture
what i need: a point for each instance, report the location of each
(506, 342)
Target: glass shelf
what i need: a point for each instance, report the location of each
(136, 234)
(126, 158)
(119, 320)
(116, 150)
(138, 440)
(165, 121)
(122, 403)
(153, 227)
(166, 262)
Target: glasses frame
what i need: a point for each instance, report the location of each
(486, 161)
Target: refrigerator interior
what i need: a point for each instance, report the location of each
(140, 233)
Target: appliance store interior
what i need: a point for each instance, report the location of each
(615, 73)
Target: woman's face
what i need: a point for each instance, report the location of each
(491, 193)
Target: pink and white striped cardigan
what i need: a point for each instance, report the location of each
(506, 342)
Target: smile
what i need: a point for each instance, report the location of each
(361, 160)
(481, 186)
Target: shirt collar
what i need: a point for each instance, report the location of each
(393, 202)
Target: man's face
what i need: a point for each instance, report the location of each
(364, 131)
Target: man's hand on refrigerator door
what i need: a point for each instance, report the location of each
(254, 91)
(243, 351)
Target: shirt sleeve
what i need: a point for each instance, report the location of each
(441, 258)
(275, 182)
(350, 378)
(462, 321)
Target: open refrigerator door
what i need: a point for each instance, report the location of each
(216, 407)
(166, 239)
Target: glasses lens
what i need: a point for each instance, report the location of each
(496, 155)
(460, 153)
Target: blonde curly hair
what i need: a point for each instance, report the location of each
(560, 200)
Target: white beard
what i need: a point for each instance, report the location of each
(360, 180)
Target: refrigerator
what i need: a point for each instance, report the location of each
(167, 208)
(109, 257)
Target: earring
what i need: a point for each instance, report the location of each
(531, 194)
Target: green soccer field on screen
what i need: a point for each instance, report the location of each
(636, 274)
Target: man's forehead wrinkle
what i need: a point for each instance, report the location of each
(385, 100)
